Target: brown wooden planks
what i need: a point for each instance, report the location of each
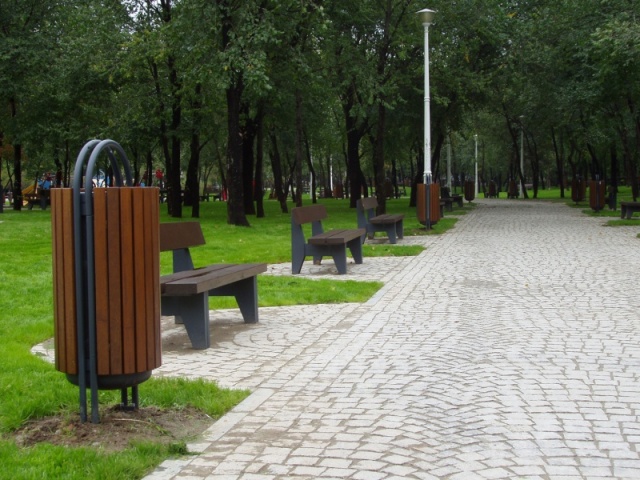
(64, 280)
(139, 283)
(180, 235)
(152, 275)
(311, 213)
(114, 294)
(192, 282)
(336, 237)
(127, 225)
(103, 303)
(127, 280)
(434, 190)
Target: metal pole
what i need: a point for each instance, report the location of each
(449, 165)
(522, 148)
(331, 173)
(427, 110)
(426, 16)
(476, 187)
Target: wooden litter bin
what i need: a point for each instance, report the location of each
(578, 190)
(469, 190)
(597, 195)
(127, 284)
(434, 203)
(106, 284)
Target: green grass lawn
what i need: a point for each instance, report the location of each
(31, 388)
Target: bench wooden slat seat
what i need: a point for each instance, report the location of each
(627, 209)
(334, 237)
(392, 224)
(333, 243)
(208, 278)
(185, 293)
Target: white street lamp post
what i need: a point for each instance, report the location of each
(449, 165)
(522, 147)
(426, 17)
(476, 188)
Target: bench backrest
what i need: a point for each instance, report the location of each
(366, 209)
(368, 203)
(179, 237)
(312, 213)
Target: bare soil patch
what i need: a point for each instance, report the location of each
(117, 428)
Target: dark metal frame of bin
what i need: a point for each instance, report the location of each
(83, 231)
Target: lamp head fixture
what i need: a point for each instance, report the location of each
(426, 16)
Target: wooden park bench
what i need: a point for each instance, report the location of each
(392, 224)
(627, 209)
(450, 199)
(185, 293)
(333, 243)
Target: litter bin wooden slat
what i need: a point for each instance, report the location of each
(152, 270)
(64, 298)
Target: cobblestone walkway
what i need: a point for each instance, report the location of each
(510, 348)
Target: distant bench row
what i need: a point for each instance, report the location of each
(335, 243)
(185, 292)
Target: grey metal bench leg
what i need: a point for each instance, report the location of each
(339, 255)
(337, 252)
(297, 256)
(246, 294)
(355, 247)
(391, 233)
(400, 229)
(193, 311)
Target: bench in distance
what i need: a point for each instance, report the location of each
(449, 199)
(333, 243)
(392, 224)
(627, 209)
(185, 293)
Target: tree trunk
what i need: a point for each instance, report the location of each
(248, 134)
(258, 193)
(149, 174)
(354, 135)
(299, 149)
(417, 178)
(614, 168)
(378, 161)
(235, 204)
(17, 165)
(535, 168)
(17, 177)
(559, 161)
(312, 171)
(635, 191)
(192, 186)
(276, 167)
(174, 190)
